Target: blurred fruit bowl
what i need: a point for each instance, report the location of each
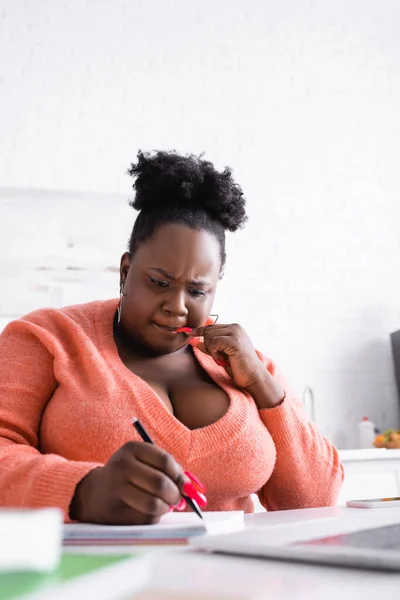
(389, 439)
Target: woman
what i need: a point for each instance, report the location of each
(72, 379)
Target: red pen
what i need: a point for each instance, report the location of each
(221, 362)
(189, 329)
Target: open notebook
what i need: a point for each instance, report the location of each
(172, 528)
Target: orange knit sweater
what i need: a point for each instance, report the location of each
(66, 404)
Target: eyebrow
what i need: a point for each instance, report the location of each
(198, 282)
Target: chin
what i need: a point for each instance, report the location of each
(159, 349)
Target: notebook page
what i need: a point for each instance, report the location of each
(173, 526)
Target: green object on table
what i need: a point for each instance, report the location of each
(17, 585)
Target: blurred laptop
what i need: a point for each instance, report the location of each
(376, 547)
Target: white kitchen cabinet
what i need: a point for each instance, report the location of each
(371, 473)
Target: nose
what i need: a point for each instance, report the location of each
(175, 303)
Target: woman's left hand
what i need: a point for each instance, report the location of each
(231, 348)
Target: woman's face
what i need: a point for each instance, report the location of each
(169, 282)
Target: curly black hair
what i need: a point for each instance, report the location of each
(174, 188)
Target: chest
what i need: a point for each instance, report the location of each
(89, 418)
(184, 387)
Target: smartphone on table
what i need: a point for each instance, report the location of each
(374, 503)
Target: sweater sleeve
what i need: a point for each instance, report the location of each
(27, 382)
(307, 472)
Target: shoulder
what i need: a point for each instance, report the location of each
(58, 321)
(79, 313)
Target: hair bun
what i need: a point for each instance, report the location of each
(170, 181)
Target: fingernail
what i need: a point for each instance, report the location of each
(181, 505)
(196, 481)
(184, 330)
(193, 494)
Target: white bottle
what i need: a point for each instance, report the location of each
(366, 433)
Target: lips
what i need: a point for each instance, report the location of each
(167, 328)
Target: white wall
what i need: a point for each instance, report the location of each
(300, 97)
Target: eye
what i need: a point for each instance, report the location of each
(158, 283)
(196, 293)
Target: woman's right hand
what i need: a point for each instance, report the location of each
(136, 486)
